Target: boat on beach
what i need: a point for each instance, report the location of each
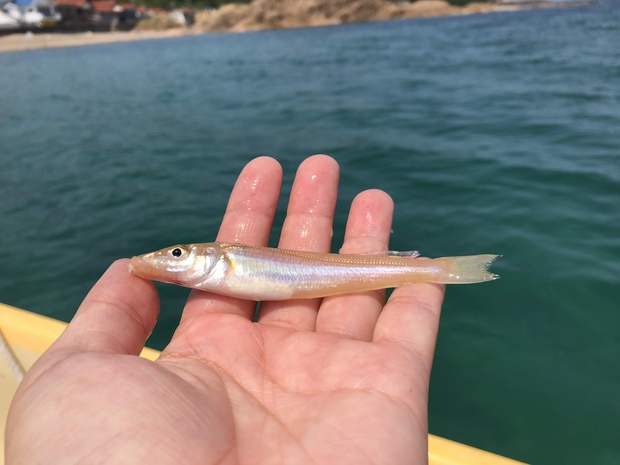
(24, 336)
(8, 23)
(27, 15)
(10, 17)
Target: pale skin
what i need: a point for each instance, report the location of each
(342, 380)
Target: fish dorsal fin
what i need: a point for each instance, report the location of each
(391, 253)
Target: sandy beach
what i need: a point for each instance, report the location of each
(21, 41)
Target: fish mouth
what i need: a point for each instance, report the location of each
(138, 267)
(145, 267)
(132, 265)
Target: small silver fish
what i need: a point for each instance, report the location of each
(264, 273)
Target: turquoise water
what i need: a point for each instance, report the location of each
(494, 133)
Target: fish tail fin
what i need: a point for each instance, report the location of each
(468, 269)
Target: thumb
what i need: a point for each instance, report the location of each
(117, 315)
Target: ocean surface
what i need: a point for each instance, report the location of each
(495, 133)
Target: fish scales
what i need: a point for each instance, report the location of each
(308, 274)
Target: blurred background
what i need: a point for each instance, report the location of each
(493, 133)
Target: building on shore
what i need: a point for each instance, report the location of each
(97, 15)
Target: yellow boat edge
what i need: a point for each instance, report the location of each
(30, 334)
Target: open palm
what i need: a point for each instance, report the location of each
(339, 380)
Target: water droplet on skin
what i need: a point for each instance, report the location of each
(254, 184)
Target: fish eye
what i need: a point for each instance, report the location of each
(177, 252)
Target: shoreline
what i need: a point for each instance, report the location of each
(19, 42)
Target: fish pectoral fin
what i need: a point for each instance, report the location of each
(391, 253)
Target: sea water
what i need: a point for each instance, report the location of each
(493, 133)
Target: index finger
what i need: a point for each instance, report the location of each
(248, 220)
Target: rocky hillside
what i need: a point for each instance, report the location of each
(281, 14)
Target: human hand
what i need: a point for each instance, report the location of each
(337, 380)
